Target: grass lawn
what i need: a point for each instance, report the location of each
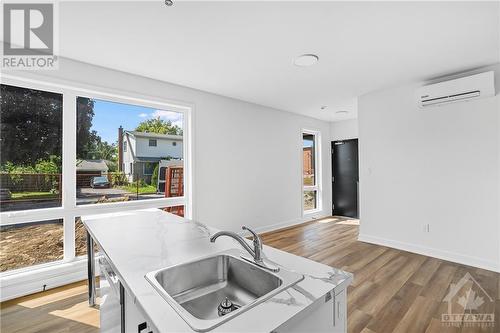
(33, 195)
(308, 180)
(142, 189)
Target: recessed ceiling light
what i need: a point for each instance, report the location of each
(306, 60)
(341, 112)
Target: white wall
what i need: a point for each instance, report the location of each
(344, 129)
(247, 157)
(439, 166)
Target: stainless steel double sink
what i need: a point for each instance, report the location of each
(196, 289)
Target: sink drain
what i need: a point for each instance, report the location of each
(226, 306)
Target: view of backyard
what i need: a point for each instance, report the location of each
(308, 169)
(124, 152)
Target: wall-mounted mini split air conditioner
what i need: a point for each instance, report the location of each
(463, 89)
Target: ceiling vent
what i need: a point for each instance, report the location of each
(458, 90)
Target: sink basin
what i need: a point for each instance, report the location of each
(197, 288)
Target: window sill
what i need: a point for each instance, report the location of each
(312, 212)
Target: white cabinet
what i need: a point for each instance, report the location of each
(118, 312)
(340, 311)
(135, 322)
(326, 315)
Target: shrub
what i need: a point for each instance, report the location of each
(43, 176)
(154, 177)
(46, 166)
(117, 178)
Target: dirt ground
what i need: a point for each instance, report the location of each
(26, 245)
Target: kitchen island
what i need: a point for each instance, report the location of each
(135, 243)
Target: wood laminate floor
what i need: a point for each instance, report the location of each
(393, 290)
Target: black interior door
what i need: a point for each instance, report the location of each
(345, 171)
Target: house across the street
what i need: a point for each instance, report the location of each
(140, 152)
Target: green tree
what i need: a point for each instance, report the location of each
(31, 125)
(90, 146)
(102, 150)
(159, 126)
(85, 138)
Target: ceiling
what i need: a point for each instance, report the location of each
(246, 50)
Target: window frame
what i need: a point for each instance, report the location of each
(317, 187)
(155, 142)
(69, 210)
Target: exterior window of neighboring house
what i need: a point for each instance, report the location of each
(310, 171)
(149, 167)
(174, 143)
(39, 234)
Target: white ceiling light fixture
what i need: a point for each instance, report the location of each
(324, 107)
(341, 112)
(306, 60)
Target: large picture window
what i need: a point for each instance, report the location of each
(31, 149)
(67, 152)
(102, 128)
(310, 171)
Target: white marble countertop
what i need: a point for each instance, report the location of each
(138, 242)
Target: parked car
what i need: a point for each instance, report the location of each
(99, 182)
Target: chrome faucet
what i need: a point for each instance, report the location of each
(256, 252)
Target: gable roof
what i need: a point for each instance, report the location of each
(91, 165)
(154, 135)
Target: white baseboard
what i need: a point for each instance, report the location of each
(43, 278)
(432, 252)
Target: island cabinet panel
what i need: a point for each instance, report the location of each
(340, 311)
(326, 315)
(135, 322)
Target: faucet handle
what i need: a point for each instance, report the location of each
(256, 238)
